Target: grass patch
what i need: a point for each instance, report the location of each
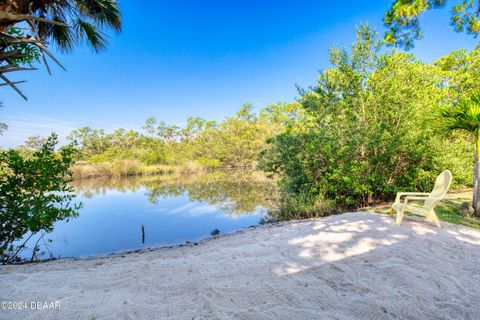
(447, 210)
(125, 168)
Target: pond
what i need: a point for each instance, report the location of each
(171, 210)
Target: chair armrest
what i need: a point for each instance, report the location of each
(408, 198)
(401, 194)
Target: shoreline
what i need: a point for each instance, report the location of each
(203, 241)
(187, 244)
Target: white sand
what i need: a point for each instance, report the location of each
(351, 266)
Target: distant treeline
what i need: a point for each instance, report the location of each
(162, 148)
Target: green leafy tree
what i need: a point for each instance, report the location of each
(194, 126)
(35, 143)
(245, 113)
(465, 116)
(282, 114)
(90, 140)
(168, 133)
(150, 126)
(236, 141)
(364, 134)
(29, 27)
(34, 194)
(402, 19)
(461, 72)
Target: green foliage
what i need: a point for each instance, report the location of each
(34, 194)
(402, 19)
(461, 72)
(69, 22)
(28, 29)
(234, 142)
(463, 116)
(149, 126)
(26, 53)
(304, 205)
(465, 17)
(366, 132)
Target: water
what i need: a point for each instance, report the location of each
(173, 209)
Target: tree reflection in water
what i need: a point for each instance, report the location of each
(232, 191)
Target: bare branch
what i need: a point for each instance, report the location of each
(34, 29)
(10, 39)
(44, 49)
(14, 82)
(14, 68)
(14, 87)
(5, 67)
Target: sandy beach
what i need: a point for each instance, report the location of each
(350, 266)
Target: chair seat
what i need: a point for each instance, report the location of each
(417, 210)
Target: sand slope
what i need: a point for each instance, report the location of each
(351, 266)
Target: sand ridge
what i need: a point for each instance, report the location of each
(349, 266)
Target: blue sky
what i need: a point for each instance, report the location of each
(177, 58)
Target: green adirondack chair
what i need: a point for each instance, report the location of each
(430, 200)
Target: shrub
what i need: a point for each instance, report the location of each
(366, 132)
(34, 194)
(304, 206)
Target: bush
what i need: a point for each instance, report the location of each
(209, 163)
(34, 194)
(304, 206)
(366, 133)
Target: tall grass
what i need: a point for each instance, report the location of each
(127, 167)
(304, 206)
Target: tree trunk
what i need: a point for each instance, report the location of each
(476, 177)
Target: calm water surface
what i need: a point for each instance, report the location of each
(172, 209)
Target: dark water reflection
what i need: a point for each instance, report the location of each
(170, 209)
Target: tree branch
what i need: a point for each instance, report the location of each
(14, 82)
(13, 68)
(10, 54)
(14, 87)
(7, 18)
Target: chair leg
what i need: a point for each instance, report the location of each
(399, 217)
(392, 212)
(433, 217)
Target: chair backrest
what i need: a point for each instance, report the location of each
(442, 183)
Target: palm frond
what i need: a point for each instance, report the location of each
(464, 116)
(102, 12)
(90, 34)
(63, 37)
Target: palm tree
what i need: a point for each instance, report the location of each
(28, 27)
(465, 116)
